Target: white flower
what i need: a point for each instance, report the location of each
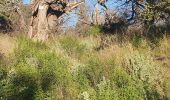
(85, 95)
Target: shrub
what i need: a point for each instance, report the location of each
(146, 70)
(127, 87)
(95, 30)
(35, 70)
(72, 46)
(3, 76)
(94, 71)
(88, 76)
(137, 40)
(143, 67)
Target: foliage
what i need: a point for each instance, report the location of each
(8, 6)
(93, 66)
(156, 10)
(95, 30)
(36, 71)
(72, 46)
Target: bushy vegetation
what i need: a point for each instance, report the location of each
(37, 70)
(119, 52)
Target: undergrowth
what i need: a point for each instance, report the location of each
(129, 71)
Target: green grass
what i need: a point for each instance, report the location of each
(128, 71)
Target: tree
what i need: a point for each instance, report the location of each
(10, 9)
(45, 13)
(156, 10)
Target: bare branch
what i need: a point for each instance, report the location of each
(71, 7)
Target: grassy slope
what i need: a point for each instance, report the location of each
(7, 44)
(81, 51)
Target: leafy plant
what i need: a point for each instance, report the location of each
(72, 46)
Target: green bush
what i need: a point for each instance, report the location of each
(137, 40)
(94, 71)
(95, 30)
(72, 46)
(150, 73)
(118, 86)
(128, 87)
(143, 67)
(35, 70)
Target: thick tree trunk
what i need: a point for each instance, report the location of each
(39, 24)
(44, 17)
(21, 20)
(42, 24)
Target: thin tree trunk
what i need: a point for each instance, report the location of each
(97, 12)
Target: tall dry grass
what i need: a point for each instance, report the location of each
(71, 67)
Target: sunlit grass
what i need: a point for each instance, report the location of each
(72, 67)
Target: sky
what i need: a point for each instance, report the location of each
(26, 1)
(73, 18)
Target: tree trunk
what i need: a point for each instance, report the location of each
(97, 12)
(21, 19)
(42, 24)
(39, 24)
(44, 17)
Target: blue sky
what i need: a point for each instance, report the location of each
(26, 1)
(73, 18)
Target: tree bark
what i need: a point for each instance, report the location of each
(42, 24)
(21, 20)
(39, 24)
(44, 17)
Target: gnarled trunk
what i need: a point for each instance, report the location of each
(44, 17)
(39, 22)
